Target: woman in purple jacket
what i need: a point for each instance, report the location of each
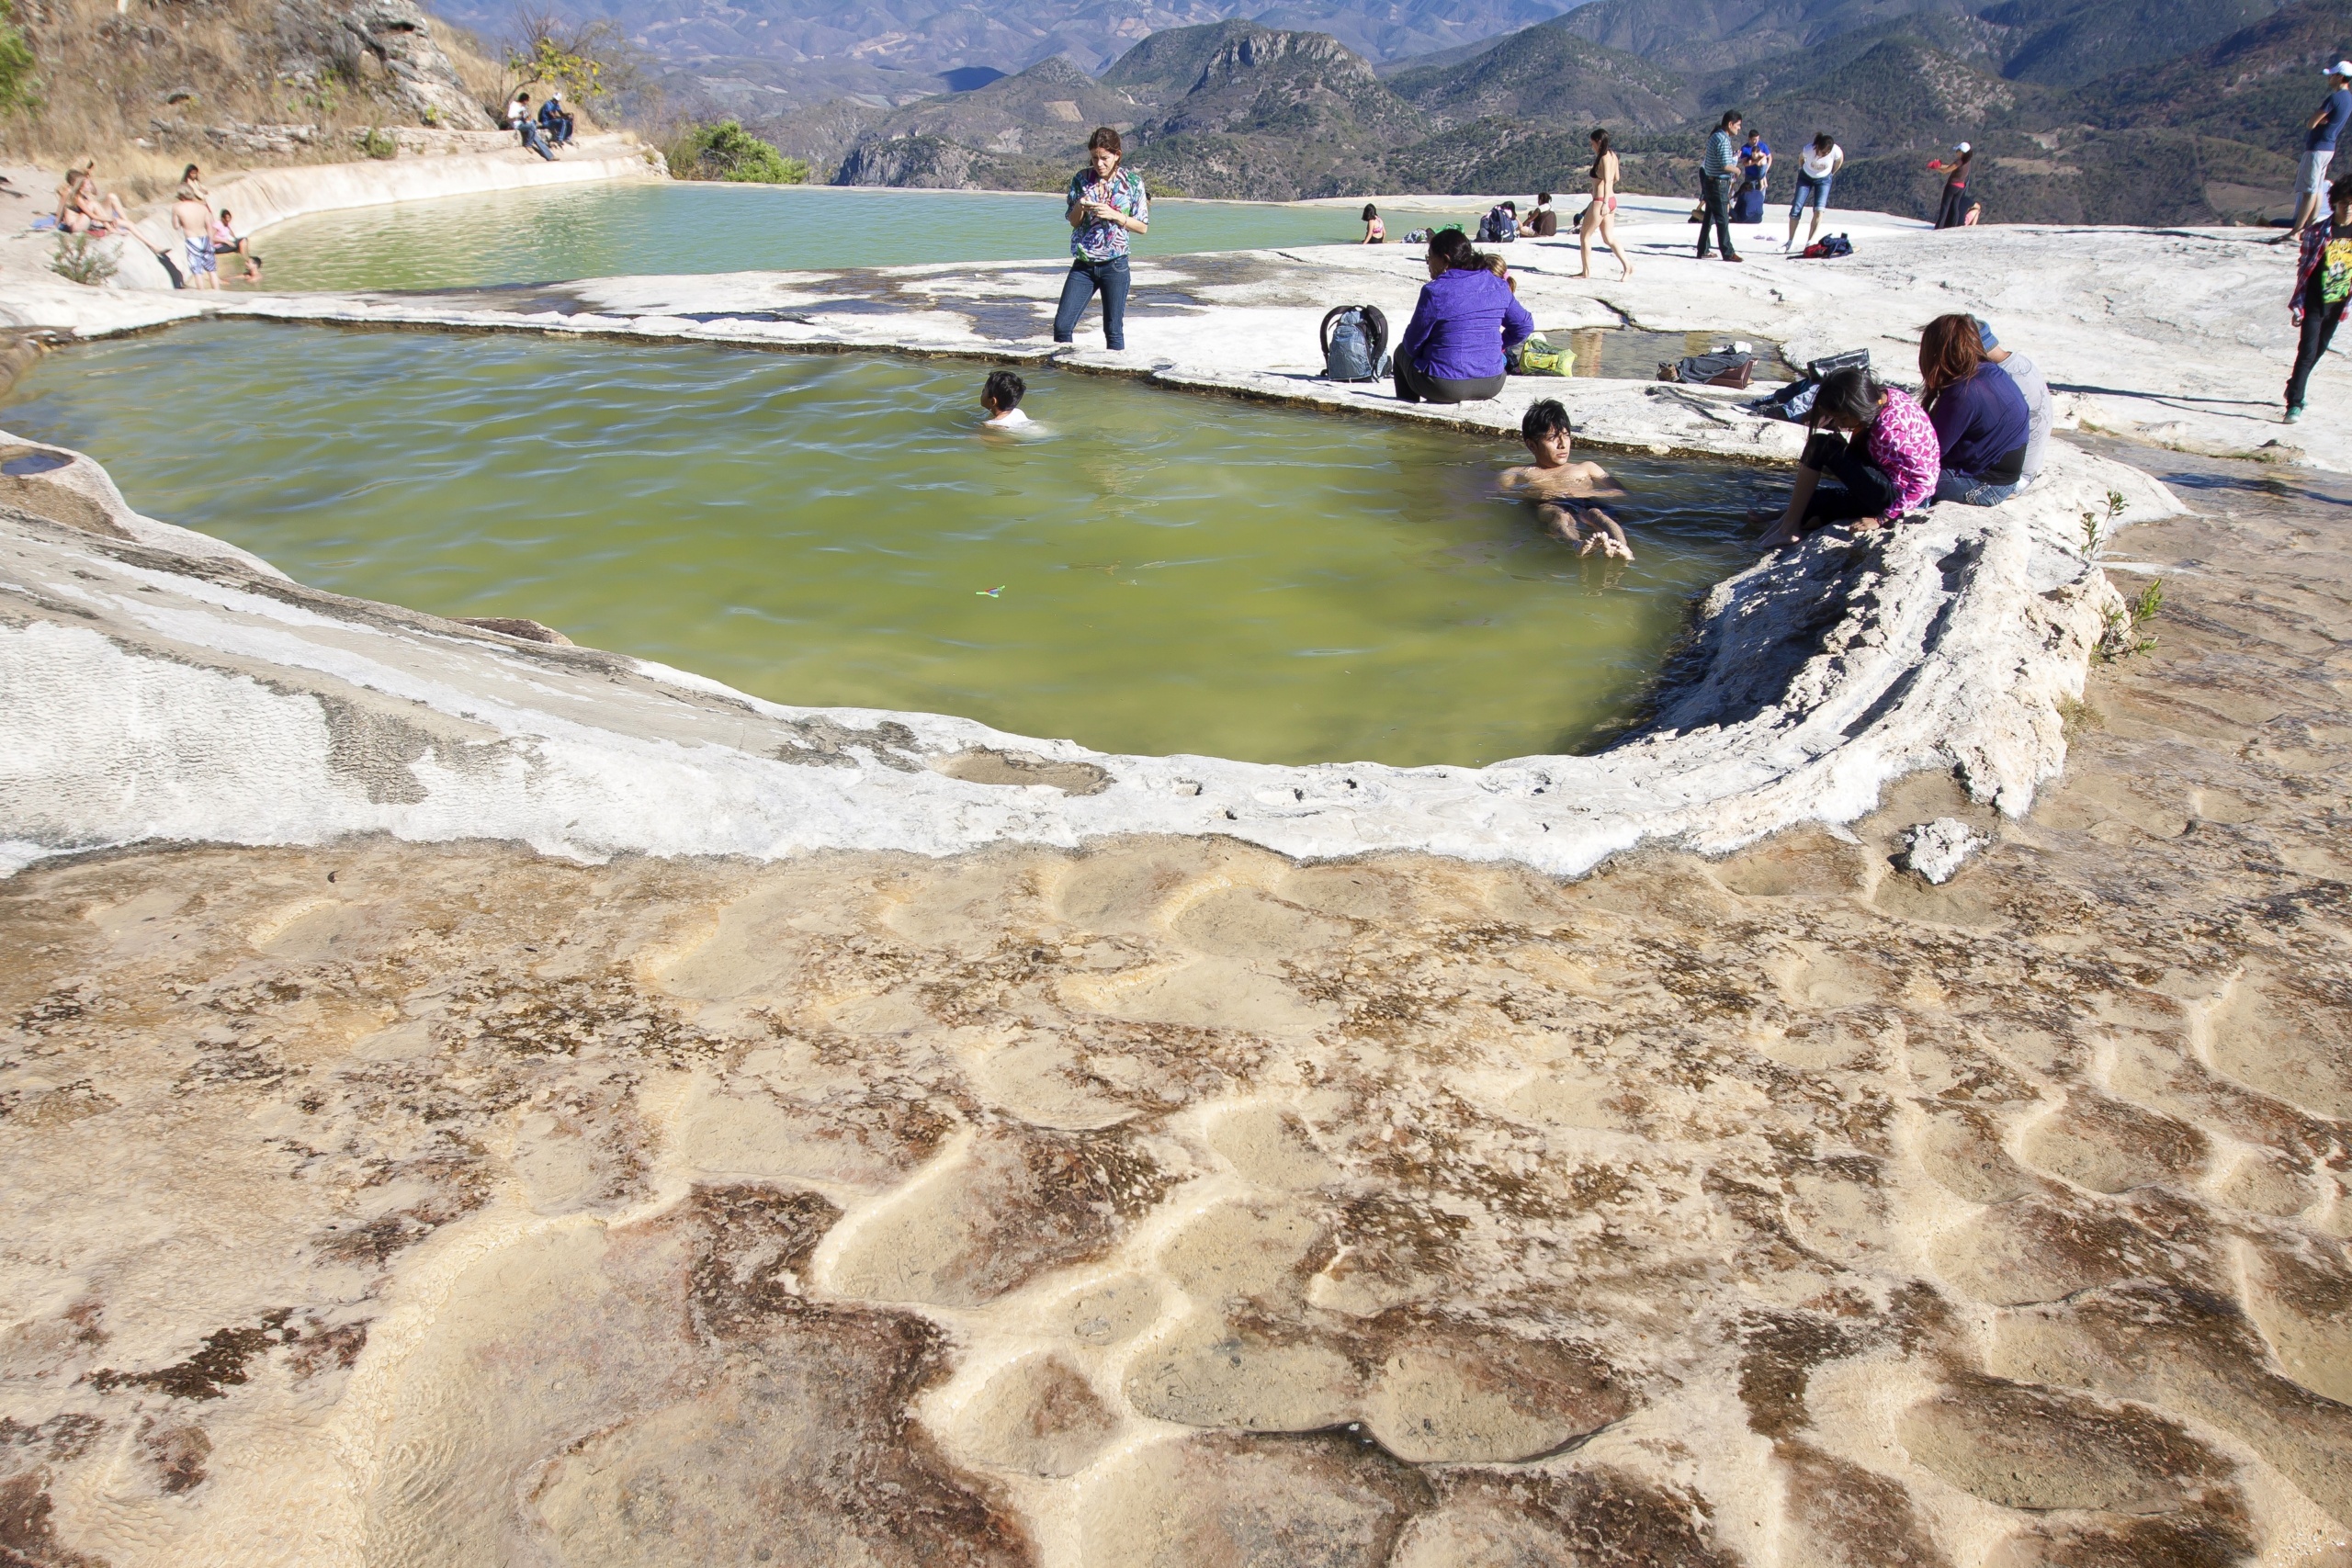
(1453, 348)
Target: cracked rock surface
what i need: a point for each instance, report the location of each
(1172, 1202)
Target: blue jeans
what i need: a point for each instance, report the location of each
(1970, 490)
(1813, 191)
(535, 141)
(1086, 276)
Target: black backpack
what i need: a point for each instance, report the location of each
(1355, 343)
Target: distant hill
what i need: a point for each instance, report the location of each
(1294, 113)
(1545, 74)
(2259, 85)
(790, 55)
(1701, 36)
(2202, 133)
(2100, 38)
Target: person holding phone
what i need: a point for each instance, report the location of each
(1106, 204)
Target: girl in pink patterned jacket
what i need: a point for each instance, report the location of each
(1875, 446)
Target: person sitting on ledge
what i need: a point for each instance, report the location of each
(1874, 446)
(1563, 491)
(519, 120)
(1452, 351)
(1001, 396)
(1375, 231)
(555, 121)
(226, 241)
(1981, 417)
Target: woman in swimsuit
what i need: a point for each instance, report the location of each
(1601, 213)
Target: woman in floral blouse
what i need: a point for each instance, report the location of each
(1106, 204)
(1875, 446)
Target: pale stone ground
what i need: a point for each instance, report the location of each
(1172, 1203)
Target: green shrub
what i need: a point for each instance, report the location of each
(378, 142)
(727, 152)
(19, 92)
(79, 260)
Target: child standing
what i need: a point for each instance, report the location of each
(1564, 490)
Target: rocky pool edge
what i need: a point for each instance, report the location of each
(160, 685)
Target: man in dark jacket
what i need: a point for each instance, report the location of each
(1715, 171)
(554, 122)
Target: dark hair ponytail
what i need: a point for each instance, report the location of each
(1453, 247)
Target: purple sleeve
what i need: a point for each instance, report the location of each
(1417, 331)
(1518, 325)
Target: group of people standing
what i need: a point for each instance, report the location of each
(1728, 157)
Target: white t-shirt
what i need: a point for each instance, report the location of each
(2029, 382)
(1820, 165)
(1010, 418)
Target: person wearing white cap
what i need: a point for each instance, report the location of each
(1953, 213)
(2319, 148)
(555, 120)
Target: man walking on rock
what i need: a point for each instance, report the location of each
(2319, 148)
(1714, 186)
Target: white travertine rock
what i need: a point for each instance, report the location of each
(266, 712)
(1937, 849)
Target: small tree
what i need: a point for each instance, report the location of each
(727, 152)
(584, 60)
(19, 92)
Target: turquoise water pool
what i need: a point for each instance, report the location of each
(1157, 572)
(605, 231)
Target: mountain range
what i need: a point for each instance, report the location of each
(2200, 125)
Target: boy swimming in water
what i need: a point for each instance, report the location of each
(1001, 395)
(1564, 492)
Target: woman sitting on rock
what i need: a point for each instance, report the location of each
(1981, 418)
(1452, 351)
(1874, 447)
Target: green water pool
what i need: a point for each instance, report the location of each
(605, 231)
(1158, 573)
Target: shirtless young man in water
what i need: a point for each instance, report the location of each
(1564, 490)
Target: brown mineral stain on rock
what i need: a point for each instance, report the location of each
(647, 1211)
(1037, 1416)
(2042, 1449)
(1014, 1202)
(2098, 1143)
(1303, 1503)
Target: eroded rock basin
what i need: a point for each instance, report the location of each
(1175, 1202)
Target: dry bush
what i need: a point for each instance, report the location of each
(139, 87)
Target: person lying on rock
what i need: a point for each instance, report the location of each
(83, 209)
(1871, 456)
(1563, 491)
(1001, 397)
